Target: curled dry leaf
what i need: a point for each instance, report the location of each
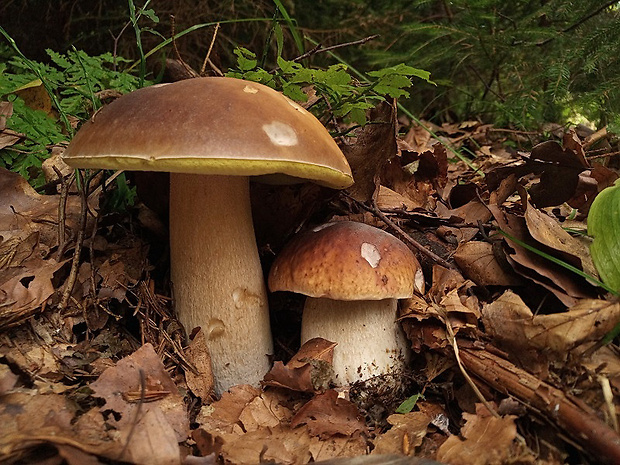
(567, 286)
(424, 320)
(550, 233)
(200, 378)
(512, 323)
(374, 145)
(407, 432)
(309, 370)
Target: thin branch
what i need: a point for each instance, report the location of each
(377, 212)
(580, 21)
(320, 49)
(207, 60)
(79, 241)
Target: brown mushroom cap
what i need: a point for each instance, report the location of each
(347, 261)
(210, 125)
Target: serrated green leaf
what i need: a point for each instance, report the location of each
(294, 92)
(246, 60)
(150, 14)
(604, 227)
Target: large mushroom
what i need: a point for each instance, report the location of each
(212, 134)
(353, 275)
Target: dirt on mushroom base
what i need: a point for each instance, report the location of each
(47, 363)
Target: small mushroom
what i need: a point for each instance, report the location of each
(212, 134)
(353, 275)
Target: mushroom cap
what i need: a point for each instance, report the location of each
(211, 125)
(347, 261)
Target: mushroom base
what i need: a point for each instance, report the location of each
(370, 340)
(217, 278)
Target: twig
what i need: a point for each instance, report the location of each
(187, 67)
(580, 21)
(134, 423)
(377, 212)
(455, 348)
(115, 47)
(578, 420)
(206, 60)
(78, 245)
(62, 210)
(320, 49)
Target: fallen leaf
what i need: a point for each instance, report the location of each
(480, 264)
(486, 440)
(407, 432)
(328, 415)
(309, 370)
(199, 379)
(373, 146)
(149, 409)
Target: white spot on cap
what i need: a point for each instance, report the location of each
(371, 254)
(250, 89)
(280, 133)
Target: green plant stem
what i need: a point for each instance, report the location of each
(291, 24)
(193, 28)
(91, 92)
(134, 21)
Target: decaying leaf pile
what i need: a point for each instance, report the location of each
(508, 364)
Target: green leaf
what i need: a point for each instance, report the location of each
(408, 404)
(150, 14)
(604, 227)
(246, 60)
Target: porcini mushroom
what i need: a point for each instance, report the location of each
(212, 134)
(353, 275)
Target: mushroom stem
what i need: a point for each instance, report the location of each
(216, 274)
(370, 340)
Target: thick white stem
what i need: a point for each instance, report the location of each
(370, 340)
(216, 274)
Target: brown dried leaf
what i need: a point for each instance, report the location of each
(478, 262)
(486, 440)
(328, 415)
(23, 289)
(374, 145)
(309, 370)
(199, 381)
(224, 414)
(407, 432)
(512, 322)
(8, 379)
(567, 286)
(548, 231)
(279, 444)
(128, 388)
(23, 209)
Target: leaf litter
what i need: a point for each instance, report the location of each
(507, 365)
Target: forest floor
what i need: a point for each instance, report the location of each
(509, 359)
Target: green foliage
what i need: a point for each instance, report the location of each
(343, 96)
(75, 80)
(518, 63)
(408, 404)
